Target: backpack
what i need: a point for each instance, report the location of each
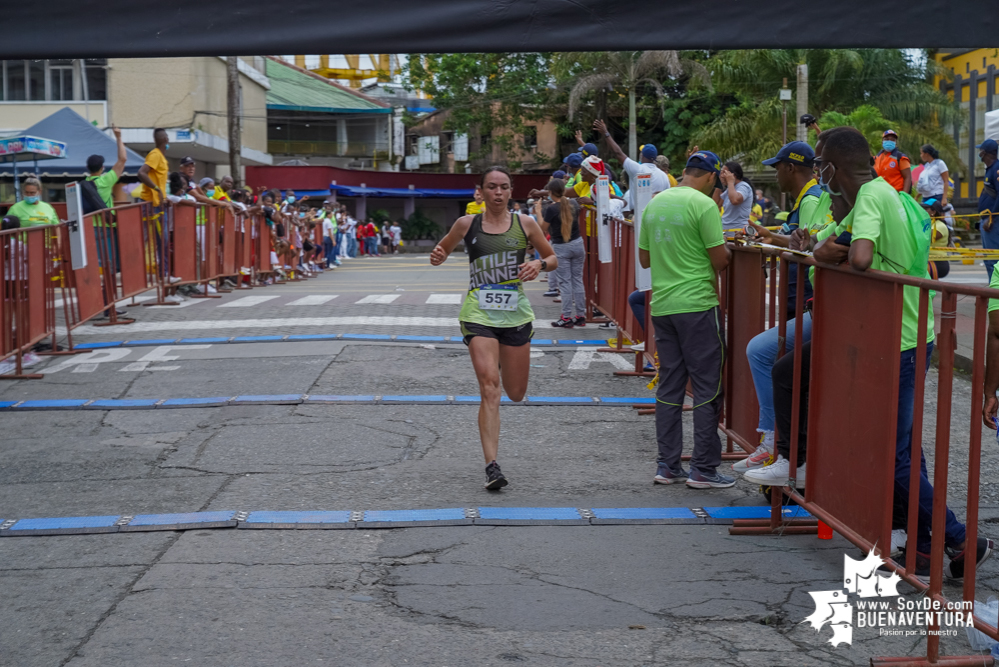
(90, 198)
(918, 226)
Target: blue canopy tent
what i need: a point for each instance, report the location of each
(78, 140)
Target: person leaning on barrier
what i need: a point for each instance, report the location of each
(988, 201)
(681, 240)
(793, 164)
(869, 216)
(31, 210)
(153, 173)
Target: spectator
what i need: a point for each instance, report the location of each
(288, 205)
(573, 163)
(648, 154)
(478, 206)
(988, 201)
(561, 220)
(736, 197)
(559, 175)
(933, 179)
(153, 174)
(350, 231)
(187, 167)
(31, 211)
(386, 238)
(104, 181)
(371, 238)
(663, 163)
(395, 232)
(329, 238)
(224, 188)
(892, 164)
(681, 240)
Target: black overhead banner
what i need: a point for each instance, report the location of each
(142, 28)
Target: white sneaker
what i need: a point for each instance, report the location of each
(761, 457)
(30, 359)
(775, 474)
(174, 298)
(638, 347)
(898, 538)
(173, 279)
(211, 289)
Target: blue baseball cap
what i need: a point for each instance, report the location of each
(589, 149)
(889, 132)
(574, 160)
(705, 160)
(558, 174)
(649, 152)
(795, 152)
(989, 146)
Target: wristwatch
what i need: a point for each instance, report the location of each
(544, 265)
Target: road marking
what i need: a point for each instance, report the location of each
(87, 363)
(379, 298)
(247, 302)
(159, 354)
(184, 304)
(587, 355)
(314, 300)
(440, 299)
(284, 323)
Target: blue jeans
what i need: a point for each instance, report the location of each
(328, 251)
(637, 302)
(953, 529)
(371, 246)
(990, 241)
(351, 247)
(762, 354)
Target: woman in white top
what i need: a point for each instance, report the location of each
(932, 182)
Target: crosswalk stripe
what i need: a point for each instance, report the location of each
(247, 302)
(313, 300)
(378, 298)
(439, 299)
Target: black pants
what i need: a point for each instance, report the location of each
(783, 379)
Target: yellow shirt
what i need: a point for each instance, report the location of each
(474, 209)
(158, 172)
(672, 181)
(220, 194)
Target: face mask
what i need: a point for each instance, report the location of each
(301, 215)
(31, 200)
(166, 147)
(825, 184)
(210, 193)
(291, 200)
(888, 145)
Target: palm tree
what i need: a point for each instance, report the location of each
(622, 71)
(863, 88)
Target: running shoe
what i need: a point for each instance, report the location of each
(955, 568)
(551, 292)
(494, 477)
(668, 475)
(563, 323)
(775, 474)
(699, 480)
(898, 539)
(761, 457)
(580, 321)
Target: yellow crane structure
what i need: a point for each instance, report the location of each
(383, 67)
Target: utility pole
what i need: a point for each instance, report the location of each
(235, 133)
(802, 99)
(785, 97)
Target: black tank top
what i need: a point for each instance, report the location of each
(494, 258)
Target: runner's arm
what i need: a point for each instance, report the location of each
(991, 406)
(448, 243)
(529, 270)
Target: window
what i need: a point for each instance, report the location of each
(531, 138)
(53, 80)
(61, 79)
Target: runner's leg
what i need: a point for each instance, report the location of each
(515, 367)
(485, 353)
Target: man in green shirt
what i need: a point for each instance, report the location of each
(681, 240)
(105, 180)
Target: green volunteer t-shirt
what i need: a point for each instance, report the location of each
(994, 284)
(34, 215)
(878, 216)
(105, 186)
(678, 227)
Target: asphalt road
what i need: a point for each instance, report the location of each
(436, 596)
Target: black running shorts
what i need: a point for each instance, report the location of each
(510, 336)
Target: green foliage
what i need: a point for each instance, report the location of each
(863, 86)
(381, 216)
(486, 93)
(419, 226)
